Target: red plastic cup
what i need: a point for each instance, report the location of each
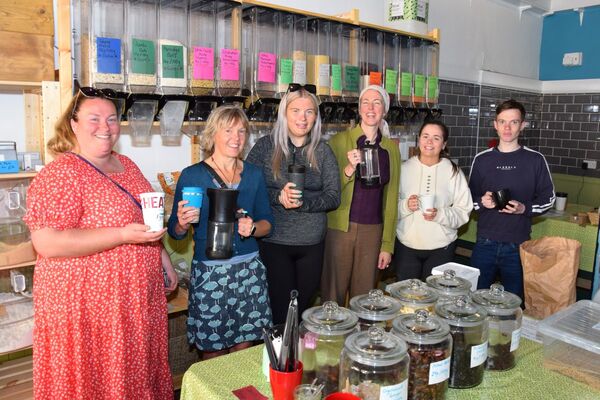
(284, 383)
(342, 396)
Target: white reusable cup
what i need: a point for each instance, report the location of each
(153, 209)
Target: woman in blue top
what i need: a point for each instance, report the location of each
(228, 300)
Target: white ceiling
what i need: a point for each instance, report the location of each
(549, 6)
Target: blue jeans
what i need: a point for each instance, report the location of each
(494, 258)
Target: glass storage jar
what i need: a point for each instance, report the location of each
(375, 309)
(323, 331)
(449, 286)
(429, 348)
(374, 365)
(413, 295)
(504, 321)
(469, 330)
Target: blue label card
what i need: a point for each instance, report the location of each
(108, 55)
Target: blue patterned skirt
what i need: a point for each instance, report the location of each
(228, 304)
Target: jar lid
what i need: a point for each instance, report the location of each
(375, 306)
(413, 291)
(329, 319)
(461, 311)
(375, 347)
(420, 327)
(449, 284)
(496, 300)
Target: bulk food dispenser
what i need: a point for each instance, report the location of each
(98, 26)
(371, 57)
(259, 29)
(227, 52)
(318, 61)
(433, 89)
(348, 50)
(291, 50)
(332, 110)
(141, 65)
(391, 61)
(201, 58)
(172, 68)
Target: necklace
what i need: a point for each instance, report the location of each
(222, 173)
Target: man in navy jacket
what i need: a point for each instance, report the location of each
(525, 173)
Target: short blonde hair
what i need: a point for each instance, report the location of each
(220, 118)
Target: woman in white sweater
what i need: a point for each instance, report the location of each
(427, 238)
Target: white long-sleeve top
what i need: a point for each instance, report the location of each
(452, 200)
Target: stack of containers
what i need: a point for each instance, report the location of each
(469, 330)
(504, 320)
(318, 61)
(371, 57)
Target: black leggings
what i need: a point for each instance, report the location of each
(291, 267)
(417, 264)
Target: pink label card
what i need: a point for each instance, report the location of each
(230, 65)
(266, 67)
(204, 63)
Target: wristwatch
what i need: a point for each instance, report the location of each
(253, 229)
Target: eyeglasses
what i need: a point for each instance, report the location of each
(294, 87)
(90, 92)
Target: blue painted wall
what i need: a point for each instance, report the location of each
(561, 34)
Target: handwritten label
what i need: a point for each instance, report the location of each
(479, 354)
(394, 392)
(419, 85)
(336, 77)
(286, 67)
(439, 371)
(351, 74)
(515, 339)
(432, 87)
(391, 81)
(299, 72)
(230, 65)
(375, 78)
(108, 55)
(405, 83)
(266, 67)
(204, 63)
(172, 61)
(143, 58)
(323, 75)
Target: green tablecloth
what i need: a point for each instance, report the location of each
(553, 224)
(529, 380)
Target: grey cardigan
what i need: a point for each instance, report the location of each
(307, 224)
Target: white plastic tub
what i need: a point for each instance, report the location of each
(469, 273)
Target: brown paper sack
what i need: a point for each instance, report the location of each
(550, 266)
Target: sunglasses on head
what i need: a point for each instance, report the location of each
(90, 92)
(294, 87)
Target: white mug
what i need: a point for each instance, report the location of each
(426, 202)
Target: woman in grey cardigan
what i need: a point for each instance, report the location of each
(293, 253)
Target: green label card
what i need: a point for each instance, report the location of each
(286, 68)
(419, 85)
(336, 77)
(432, 85)
(143, 60)
(351, 78)
(391, 81)
(172, 61)
(405, 83)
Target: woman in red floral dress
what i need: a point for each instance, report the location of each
(99, 297)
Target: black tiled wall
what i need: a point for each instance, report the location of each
(565, 128)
